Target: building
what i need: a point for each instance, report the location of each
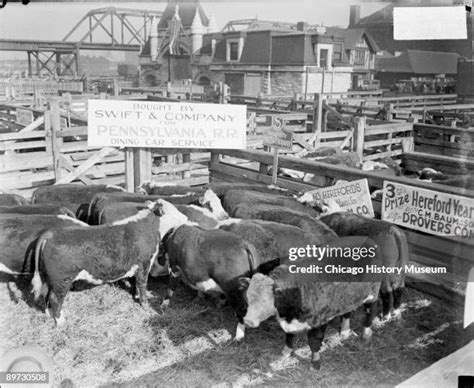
(169, 51)
(416, 64)
(283, 59)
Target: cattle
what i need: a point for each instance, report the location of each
(234, 199)
(210, 261)
(158, 188)
(431, 175)
(284, 216)
(207, 199)
(70, 195)
(393, 247)
(114, 211)
(37, 209)
(100, 254)
(7, 199)
(222, 188)
(309, 301)
(18, 234)
(272, 240)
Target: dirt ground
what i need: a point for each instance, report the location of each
(109, 340)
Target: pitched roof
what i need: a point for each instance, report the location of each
(187, 11)
(353, 35)
(419, 62)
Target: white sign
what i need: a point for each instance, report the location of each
(427, 210)
(350, 196)
(437, 23)
(166, 125)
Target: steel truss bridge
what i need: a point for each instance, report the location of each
(125, 30)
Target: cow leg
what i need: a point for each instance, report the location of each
(172, 285)
(345, 331)
(397, 301)
(141, 279)
(240, 330)
(315, 339)
(289, 345)
(370, 310)
(55, 302)
(387, 303)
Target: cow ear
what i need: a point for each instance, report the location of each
(244, 283)
(158, 209)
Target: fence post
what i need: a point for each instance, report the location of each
(129, 179)
(141, 165)
(187, 159)
(55, 142)
(359, 134)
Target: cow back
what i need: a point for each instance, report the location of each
(7, 199)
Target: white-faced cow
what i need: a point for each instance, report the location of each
(160, 188)
(18, 235)
(101, 254)
(309, 301)
(210, 261)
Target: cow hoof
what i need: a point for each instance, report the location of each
(385, 318)
(287, 352)
(60, 321)
(316, 365)
(165, 304)
(397, 314)
(345, 334)
(367, 334)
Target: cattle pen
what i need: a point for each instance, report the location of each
(115, 342)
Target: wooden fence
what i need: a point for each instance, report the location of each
(425, 250)
(21, 88)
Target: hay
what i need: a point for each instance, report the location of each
(110, 340)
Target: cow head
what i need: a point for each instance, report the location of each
(328, 206)
(155, 207)
(171, 217)
(306, 198)
(260, 298)
(210, 200)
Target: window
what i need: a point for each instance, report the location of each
(337, 54)
(359, 57)
(323, 58)
(233, 51)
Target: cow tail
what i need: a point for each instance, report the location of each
(36, 281)
(404, 255)
(252, 256)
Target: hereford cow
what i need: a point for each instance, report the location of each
(210, 261)
(222, 188)
(393, 247)
(283, 215)
(234, 199)
(70, 195)
(159, 188)
(309, 301)
(272, 240)
(18, 235)
(12, 200)
(37, 209)
(101, 254)
(206, 199)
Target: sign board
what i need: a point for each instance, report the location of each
(24, 116)
(277, 136)
(166, 124)
(350, 196)
(428, 211)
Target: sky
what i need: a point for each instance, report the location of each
(53, 20)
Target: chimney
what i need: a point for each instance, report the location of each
(321, 29)
(301, 26)
(354, 15)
